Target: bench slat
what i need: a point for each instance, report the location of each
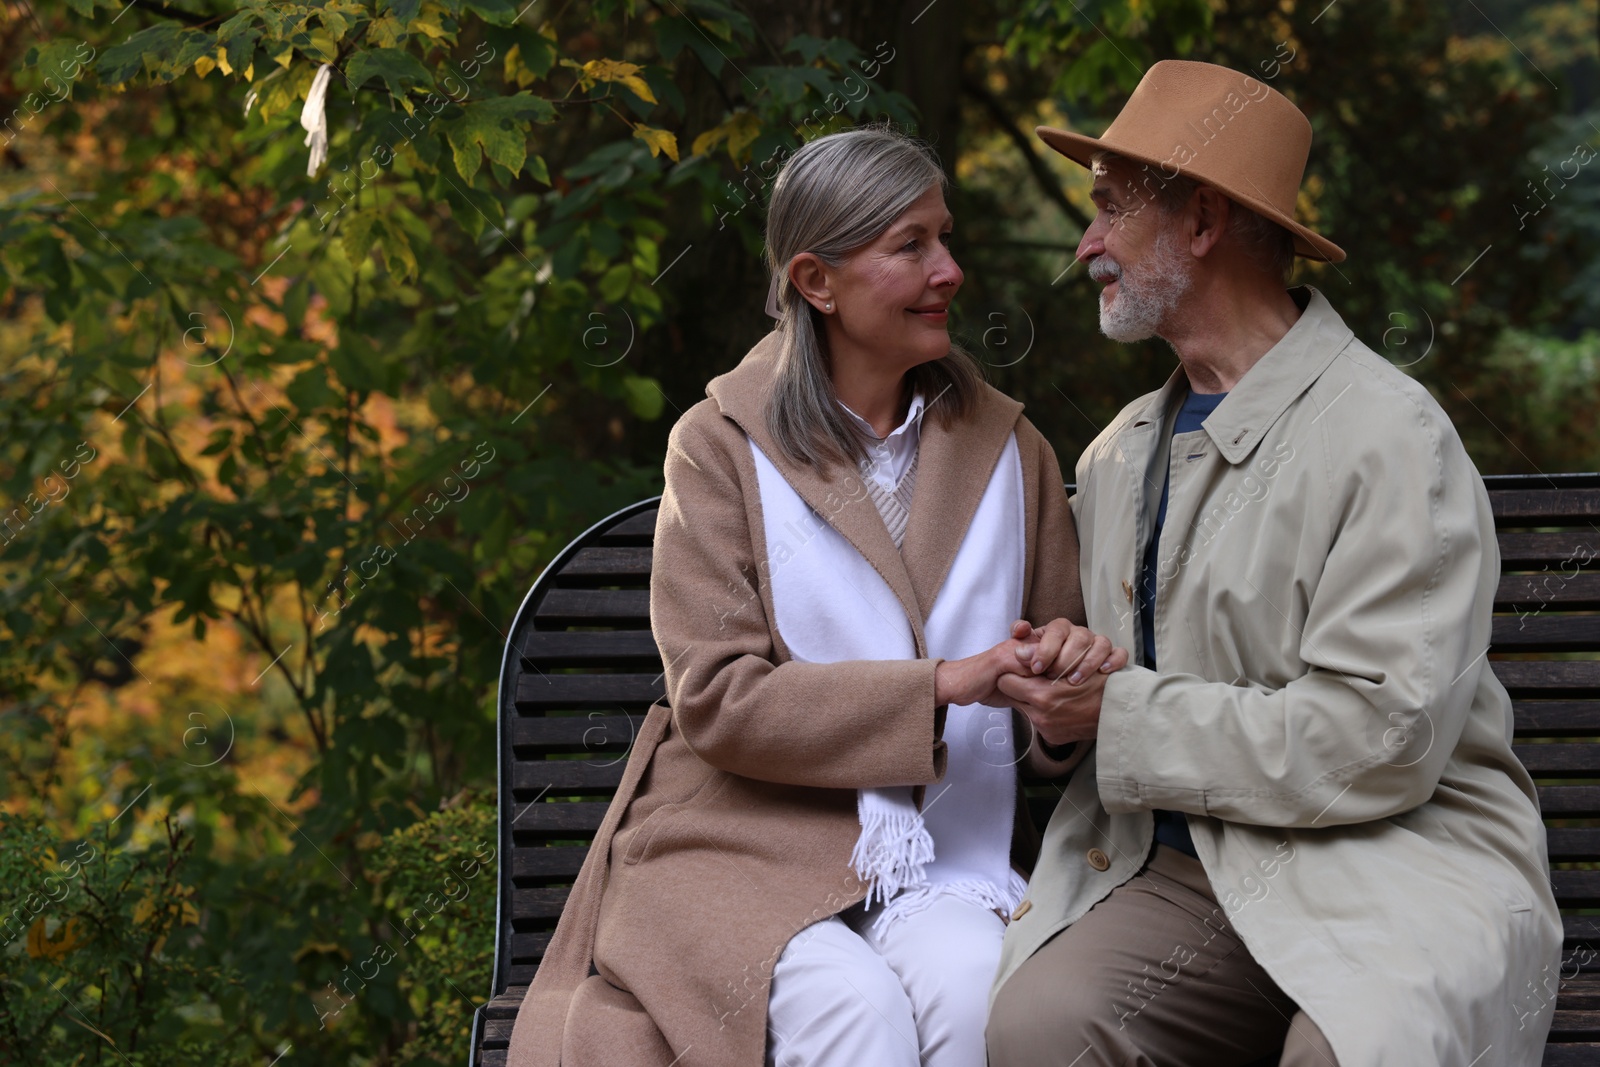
(1576, 889)
(612, 564)
(1578, 1054)
(1558, 590)
(1549, 678)
(1563, 759)
(1559, 551)
(618, 648)
(530, 946)
(538, 902)
(1556, 717)
(1574, 844)
(1544, 507)
(594, 607)
(1569, 801)
(613, 691)
(642, 525)
(594, 732)
(1544, 632)
(505, 1005)
(565, 776)
(547, 863)
(579, 819)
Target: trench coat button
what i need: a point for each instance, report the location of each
(1127, 590)
(1098, 859)
(1022, 909)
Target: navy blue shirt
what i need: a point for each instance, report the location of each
(1172, 827)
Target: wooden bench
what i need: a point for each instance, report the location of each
(581, 669)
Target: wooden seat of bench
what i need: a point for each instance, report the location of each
(581, 669)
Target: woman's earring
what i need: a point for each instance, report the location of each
(828, 306)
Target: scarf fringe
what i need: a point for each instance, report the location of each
(982, 893)
(891, 853)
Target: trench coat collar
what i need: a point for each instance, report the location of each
(954, 465)
(1287, 370)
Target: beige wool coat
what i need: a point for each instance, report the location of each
(734, 823)
(1323, 709)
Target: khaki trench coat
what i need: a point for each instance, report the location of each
(733, 826)
(1323, 711)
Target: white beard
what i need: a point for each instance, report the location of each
(1146, 293)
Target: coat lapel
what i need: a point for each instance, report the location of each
(953, 471)
(954, 466)
(837, 493)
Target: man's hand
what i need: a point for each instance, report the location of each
(1067, 667)
(1061, 648)
(1061, 713)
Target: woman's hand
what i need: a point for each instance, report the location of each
(1062, 648)
(972, 680)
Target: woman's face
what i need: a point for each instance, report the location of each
(891, 296)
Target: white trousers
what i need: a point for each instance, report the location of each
(916, 996)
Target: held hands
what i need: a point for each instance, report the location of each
(1064, 678)
(1006, 674)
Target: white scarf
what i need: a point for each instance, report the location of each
(832, 605)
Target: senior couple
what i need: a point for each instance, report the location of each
(1248, 656)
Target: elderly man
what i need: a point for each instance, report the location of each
(1300, 825)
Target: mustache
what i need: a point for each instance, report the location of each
(1105, 269)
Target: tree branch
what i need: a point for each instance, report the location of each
(1036, 165)
(188, 18)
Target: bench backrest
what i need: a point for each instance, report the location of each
(581, 669)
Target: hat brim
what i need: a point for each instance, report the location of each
(1081, 148)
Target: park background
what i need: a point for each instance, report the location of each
(280, 454)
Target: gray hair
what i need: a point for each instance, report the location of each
(835, 194)
(1268, 244)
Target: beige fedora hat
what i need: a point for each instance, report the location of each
(1221, 128)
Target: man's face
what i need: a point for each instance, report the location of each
(1136, 253)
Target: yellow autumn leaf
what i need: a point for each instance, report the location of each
(250, 72)
(204, 65)
(222, 61)
(183, 912)
(320, 948)
(429, 26)
(658, 140)
(385, 32)
(615, 70)
(43, 946)
(740, 131)
(284, 58)
(515, 70)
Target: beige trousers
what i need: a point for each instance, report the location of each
(1152, 976)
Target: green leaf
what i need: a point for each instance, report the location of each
(643, 395)
(674, 33)
(614, 282)
(499, 128)
(471, 208)
(494, 12)
(61, 60)
(395, 66)
(121, 62)
(537, 170)
(404, 10)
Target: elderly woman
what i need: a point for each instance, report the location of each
(817, 843)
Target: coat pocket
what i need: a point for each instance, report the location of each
(646, 831)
